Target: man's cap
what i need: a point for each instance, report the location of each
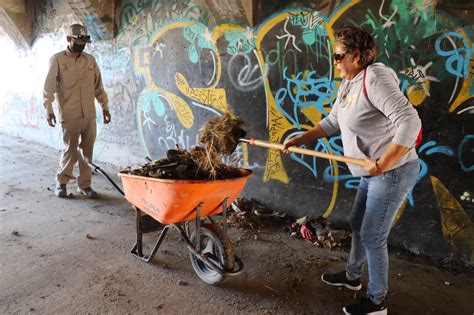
(79, 33)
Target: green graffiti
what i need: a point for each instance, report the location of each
(240, 41)
(398, 32)
(203, 37)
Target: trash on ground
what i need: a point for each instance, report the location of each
(321, 232)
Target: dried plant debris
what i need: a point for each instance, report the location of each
(222, 134)
(219, 136)
(186, 165)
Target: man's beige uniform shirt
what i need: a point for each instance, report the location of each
(76, 82)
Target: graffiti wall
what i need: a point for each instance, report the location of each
(170, 67)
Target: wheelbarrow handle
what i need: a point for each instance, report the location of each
(299, 150)
(97, 169)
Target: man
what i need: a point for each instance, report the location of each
(76, 80)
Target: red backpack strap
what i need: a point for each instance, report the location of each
(365, 87)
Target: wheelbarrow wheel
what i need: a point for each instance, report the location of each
(216, 246)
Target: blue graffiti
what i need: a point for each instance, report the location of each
(436, 149)
(464, 143)
(456, 63)
(300, 89)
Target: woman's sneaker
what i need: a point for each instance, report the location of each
(339, 280)
(366, 306)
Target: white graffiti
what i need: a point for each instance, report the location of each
(148, 121)
(214, 68)
(174, 138)
(158, 49)
(288, 37)
(419, 74)
(207, 108)
(248, 77)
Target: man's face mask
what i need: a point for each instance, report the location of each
(78, 48)
(79, 42)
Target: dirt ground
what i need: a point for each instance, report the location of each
(68, 256)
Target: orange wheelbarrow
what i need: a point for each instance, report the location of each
(164, 203)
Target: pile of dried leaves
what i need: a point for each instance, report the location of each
(219, 136)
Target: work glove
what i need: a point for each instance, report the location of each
(307, 231)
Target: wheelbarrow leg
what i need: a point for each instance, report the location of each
(224, 214)
(198, 226)
(137, 250)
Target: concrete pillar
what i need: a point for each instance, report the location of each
(16, 21)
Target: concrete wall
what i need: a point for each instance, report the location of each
(169, 66)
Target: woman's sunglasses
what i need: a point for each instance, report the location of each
(338, 57)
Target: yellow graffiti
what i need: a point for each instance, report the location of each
(418, 92)
(277, 124)
(456, 224)
(335, 189)
(273, 167)
(208, 96)
(245, 154)
(211, 95)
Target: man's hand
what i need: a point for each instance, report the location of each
(372, 167)
(107, 117)
(51, 120)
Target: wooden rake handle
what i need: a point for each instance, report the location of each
(299, 150)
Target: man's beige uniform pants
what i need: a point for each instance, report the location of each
(77, 133)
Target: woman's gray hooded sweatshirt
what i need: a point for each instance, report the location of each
(368, 127)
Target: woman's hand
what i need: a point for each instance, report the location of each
(290, 143)
(372, 167)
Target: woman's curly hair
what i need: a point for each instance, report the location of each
(354, 38)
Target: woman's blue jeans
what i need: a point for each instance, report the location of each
(376, 203)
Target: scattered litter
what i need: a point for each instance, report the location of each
(90, 237)
(253, 215)
(16, 233)
(182, 282)
(447, 283)
(320, 232)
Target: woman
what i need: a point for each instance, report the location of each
(382, 131)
